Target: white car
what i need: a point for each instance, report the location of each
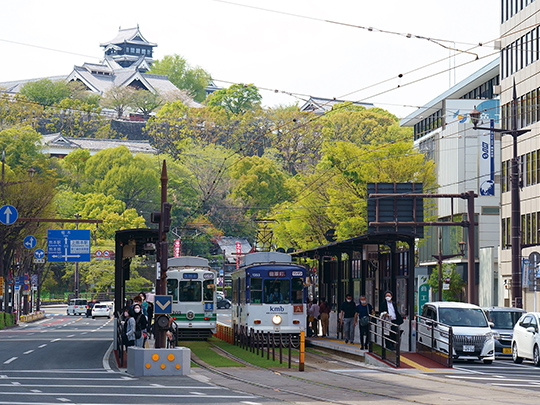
(526, 340)
(101, 310)
(472, 335)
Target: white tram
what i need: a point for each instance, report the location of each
(192, 284)
(268, 294)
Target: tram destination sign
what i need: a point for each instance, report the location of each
(68, 245)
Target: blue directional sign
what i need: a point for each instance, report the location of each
(8, 214)
(30, 242)
(39, 253)
(68, 245)
(162, 304)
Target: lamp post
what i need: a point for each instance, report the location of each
(440, 257)
(515, 218)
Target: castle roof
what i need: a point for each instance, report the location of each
(130, 36)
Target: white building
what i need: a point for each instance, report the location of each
(520, 63)
(465, 160)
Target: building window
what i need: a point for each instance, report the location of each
(137, 50)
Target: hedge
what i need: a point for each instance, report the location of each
(6, 320)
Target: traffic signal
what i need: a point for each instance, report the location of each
(166, 216)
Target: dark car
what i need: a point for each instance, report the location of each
(89, 307)
(223, 302)
(503, 320)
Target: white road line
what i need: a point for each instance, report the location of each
(487, 378)
(42, 346)
(64, 399)
(84, 333)
(250, 403)
(70, 336)
(148, 395)
(179, 387)
(106, 357)
(36, 391)
(15, 383)
(55, 340)
(10, 360)
(28, 351)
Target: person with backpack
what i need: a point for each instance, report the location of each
(363, 311)
(140, 325)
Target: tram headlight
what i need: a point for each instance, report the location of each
(276, 319)
(190, 315)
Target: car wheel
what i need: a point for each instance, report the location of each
(515, 357)
(93, 317)
(488, 361)
(536, 356)
(227, 306)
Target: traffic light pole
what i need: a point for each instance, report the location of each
(163, 252)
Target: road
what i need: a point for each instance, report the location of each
(62, 359)
(502, 373)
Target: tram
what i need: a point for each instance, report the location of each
(269, 295)
(192, 283)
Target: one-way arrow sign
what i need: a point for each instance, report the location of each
(8, 214)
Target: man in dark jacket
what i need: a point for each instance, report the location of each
(363, 311)
(390, 311)
(348, 310)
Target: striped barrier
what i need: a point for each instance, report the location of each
(225, 333)
(34, 316)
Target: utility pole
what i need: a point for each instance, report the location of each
(77, 216)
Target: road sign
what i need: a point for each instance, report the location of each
(8, 214)
(39, 261)
(1, 285)
(163, 304)
(39, 254)
(98, 253)
(30, 242)
(68, 245)
(33, 279)
(106, 253)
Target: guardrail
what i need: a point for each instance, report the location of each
(384, 339)
(435, 340)
(257, 341)
(225, 333)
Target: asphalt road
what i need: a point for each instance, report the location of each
(62, 359)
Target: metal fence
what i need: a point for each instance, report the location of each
(384, 340)
(435, 340)
(269, 343)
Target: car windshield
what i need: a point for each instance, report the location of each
(503, 319)
(471, 317)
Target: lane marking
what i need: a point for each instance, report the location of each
(36, 391)
(149, 395)
(41, 346)
(64, 399)
(70, 336)
(179, 387)
(10, 360)
(55, 340)
(28, 351)
(106, 357)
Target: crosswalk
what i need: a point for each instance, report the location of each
(33, 387)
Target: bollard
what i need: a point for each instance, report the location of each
(302, 348)
(290, 349)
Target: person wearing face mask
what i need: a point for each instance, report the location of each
(140, 325)
(346, 316)
(389, 307)
(363, 311)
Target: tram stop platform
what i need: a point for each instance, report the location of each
(408, 361)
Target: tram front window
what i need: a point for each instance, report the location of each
(172, 289)
(190, 291)
(256, 290)
(297, 291)
(276, 291)
(208, 290)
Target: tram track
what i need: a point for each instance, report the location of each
(303, 380)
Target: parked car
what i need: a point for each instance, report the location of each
(504, 319)
(77, 306)
(526, 339)
(101, 310)
(223, 303)
(472, 334)
(90, 306)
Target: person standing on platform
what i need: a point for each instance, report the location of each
(348, 311)
(390, 310)
(363, 311)
(315, 315)
(324, 310)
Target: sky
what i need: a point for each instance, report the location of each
(291, 49)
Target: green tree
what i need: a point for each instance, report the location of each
(182, 75)
(18, 111)
(237, 99)
(46, 92)
(145, 101)
(456, 282)
(118, 98)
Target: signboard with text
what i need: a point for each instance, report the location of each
(68, 245)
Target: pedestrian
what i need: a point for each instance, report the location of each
(348, 310)
(309, 331)
(150, 318)
(128, 338)
(144, 305)
(141, 324)
(315, 316)
(390, 311)
(363, 311)
(324, 310)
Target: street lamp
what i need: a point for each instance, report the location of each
(515, 219)
(440, 257)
